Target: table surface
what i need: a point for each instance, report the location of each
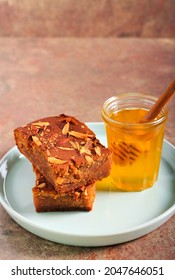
(44, 77)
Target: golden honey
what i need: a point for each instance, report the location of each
(136, 147)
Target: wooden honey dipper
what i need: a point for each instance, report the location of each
(127, 153)
(160, 103)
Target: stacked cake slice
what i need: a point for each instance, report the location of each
(67, 159)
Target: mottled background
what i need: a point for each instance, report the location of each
(72, 72)
(87, 18)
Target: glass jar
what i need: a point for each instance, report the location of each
(136, 146)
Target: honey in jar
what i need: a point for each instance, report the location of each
(136, 147)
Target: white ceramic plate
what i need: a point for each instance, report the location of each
(116, 216)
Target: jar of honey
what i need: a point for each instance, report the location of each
(136, 146)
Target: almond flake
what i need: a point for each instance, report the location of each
(56, 160)
(36, 140)
(89, 159)
(85, 150)
(80, 135)
(66, 148)
(65, 128)
(75, 145)
(42, 185)
(98, 150)
(41, 123)
(85, 192)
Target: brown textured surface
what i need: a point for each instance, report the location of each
(65, 150)
(46, 198)
(82, 18)
(41, 77)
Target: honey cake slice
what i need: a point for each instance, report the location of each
(64, 150)
(47, 199)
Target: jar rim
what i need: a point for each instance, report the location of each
(128, 96)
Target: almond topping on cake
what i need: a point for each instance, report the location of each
(65, 129)
(36, 140)
(42, 185)
(97, 150)
(41, 124)
(66, 148)
(75, 145)
(89, 159)
(80, 135)
(85, 150)
(56, 160)
(85, 192)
